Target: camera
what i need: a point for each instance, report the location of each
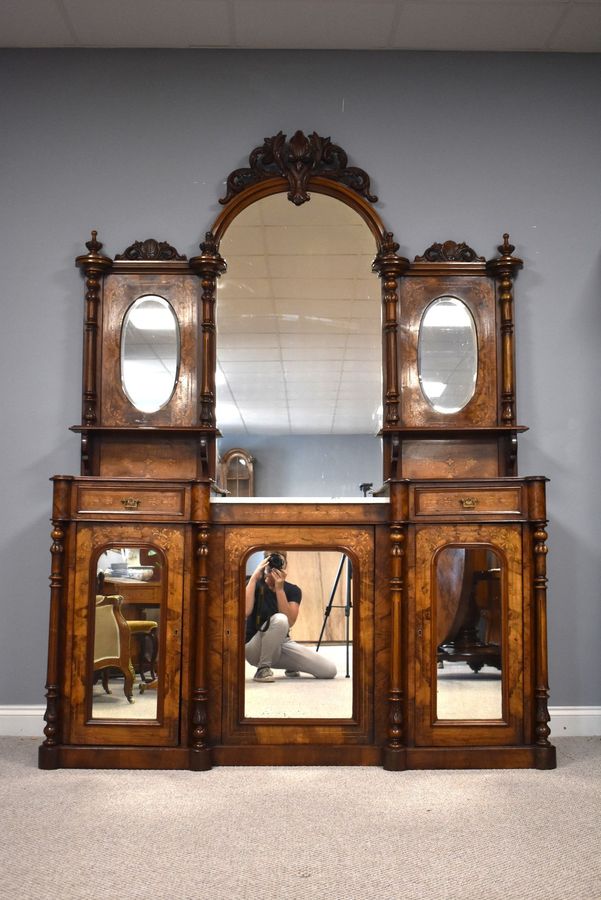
(275, 561)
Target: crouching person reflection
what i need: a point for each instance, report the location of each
(272, 607)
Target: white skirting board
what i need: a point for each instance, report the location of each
(569, 721)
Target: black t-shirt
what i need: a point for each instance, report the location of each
(266, 605)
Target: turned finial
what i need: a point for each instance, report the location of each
(94, 246)
(506, 249)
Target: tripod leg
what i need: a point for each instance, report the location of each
(328, 608)
(347, 613)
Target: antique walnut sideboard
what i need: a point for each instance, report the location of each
(446, 564)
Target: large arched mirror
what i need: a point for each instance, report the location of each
(299, 362)
(299, 385)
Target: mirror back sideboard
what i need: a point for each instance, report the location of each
(429, 577)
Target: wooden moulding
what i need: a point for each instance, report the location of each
(529, 757)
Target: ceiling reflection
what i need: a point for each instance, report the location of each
(299, 321)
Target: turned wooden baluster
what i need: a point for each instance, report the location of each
(504, 270)
(394, 750)
(390, 267)
(542, 717)
(200, 758)
(208, 266)
(47, 753)
(94, 266)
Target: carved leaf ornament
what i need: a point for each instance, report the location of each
(297, 160)
(450, 251)
(150, 250)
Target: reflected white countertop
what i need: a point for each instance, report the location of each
(363, 500)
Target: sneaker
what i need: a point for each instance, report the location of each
(264, 674)
(291, 673)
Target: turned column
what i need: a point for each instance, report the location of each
(94, 266)
(505, 269)
(537, 511)
(390, 267)
(208, 266)
(394, 756)
(48, 755)
(200, 755)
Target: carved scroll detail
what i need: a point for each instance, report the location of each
(297, 160)
(150, 249)
(450, 251)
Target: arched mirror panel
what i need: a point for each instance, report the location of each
(470, 625)
(150, 351)
(127, 631)
(304, 654)
(299, 360)
(447, 355)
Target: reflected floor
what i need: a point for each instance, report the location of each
(463, 694)
(305, 697)
(116, 706)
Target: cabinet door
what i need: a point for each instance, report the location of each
(127, 593)
(468, 634)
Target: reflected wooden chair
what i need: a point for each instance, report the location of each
(112, 638)
(144, 648)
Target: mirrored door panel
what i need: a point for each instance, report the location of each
(298, 643)
(299, 632)
(468, 633)
(126, 632)
(127, 625)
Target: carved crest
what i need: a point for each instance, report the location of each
(297, 160)
(450, 251)
(150, 250)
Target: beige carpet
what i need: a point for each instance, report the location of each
(301, 833)
(303, 697)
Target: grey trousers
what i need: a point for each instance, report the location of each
(274, 648)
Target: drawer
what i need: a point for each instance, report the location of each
(131, 500)
(466, 501)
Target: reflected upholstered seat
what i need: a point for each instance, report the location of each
(112, 643)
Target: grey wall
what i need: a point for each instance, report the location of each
(466, 146)
(311, 465)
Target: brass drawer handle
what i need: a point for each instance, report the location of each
(130, 502)
(469, 502)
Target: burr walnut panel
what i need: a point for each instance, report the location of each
(477, 292)
(121, 290)
(131, 499)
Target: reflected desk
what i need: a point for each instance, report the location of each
(137, 595)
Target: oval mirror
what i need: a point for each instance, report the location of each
(150, 345)
(447, 354)
(299, 372)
